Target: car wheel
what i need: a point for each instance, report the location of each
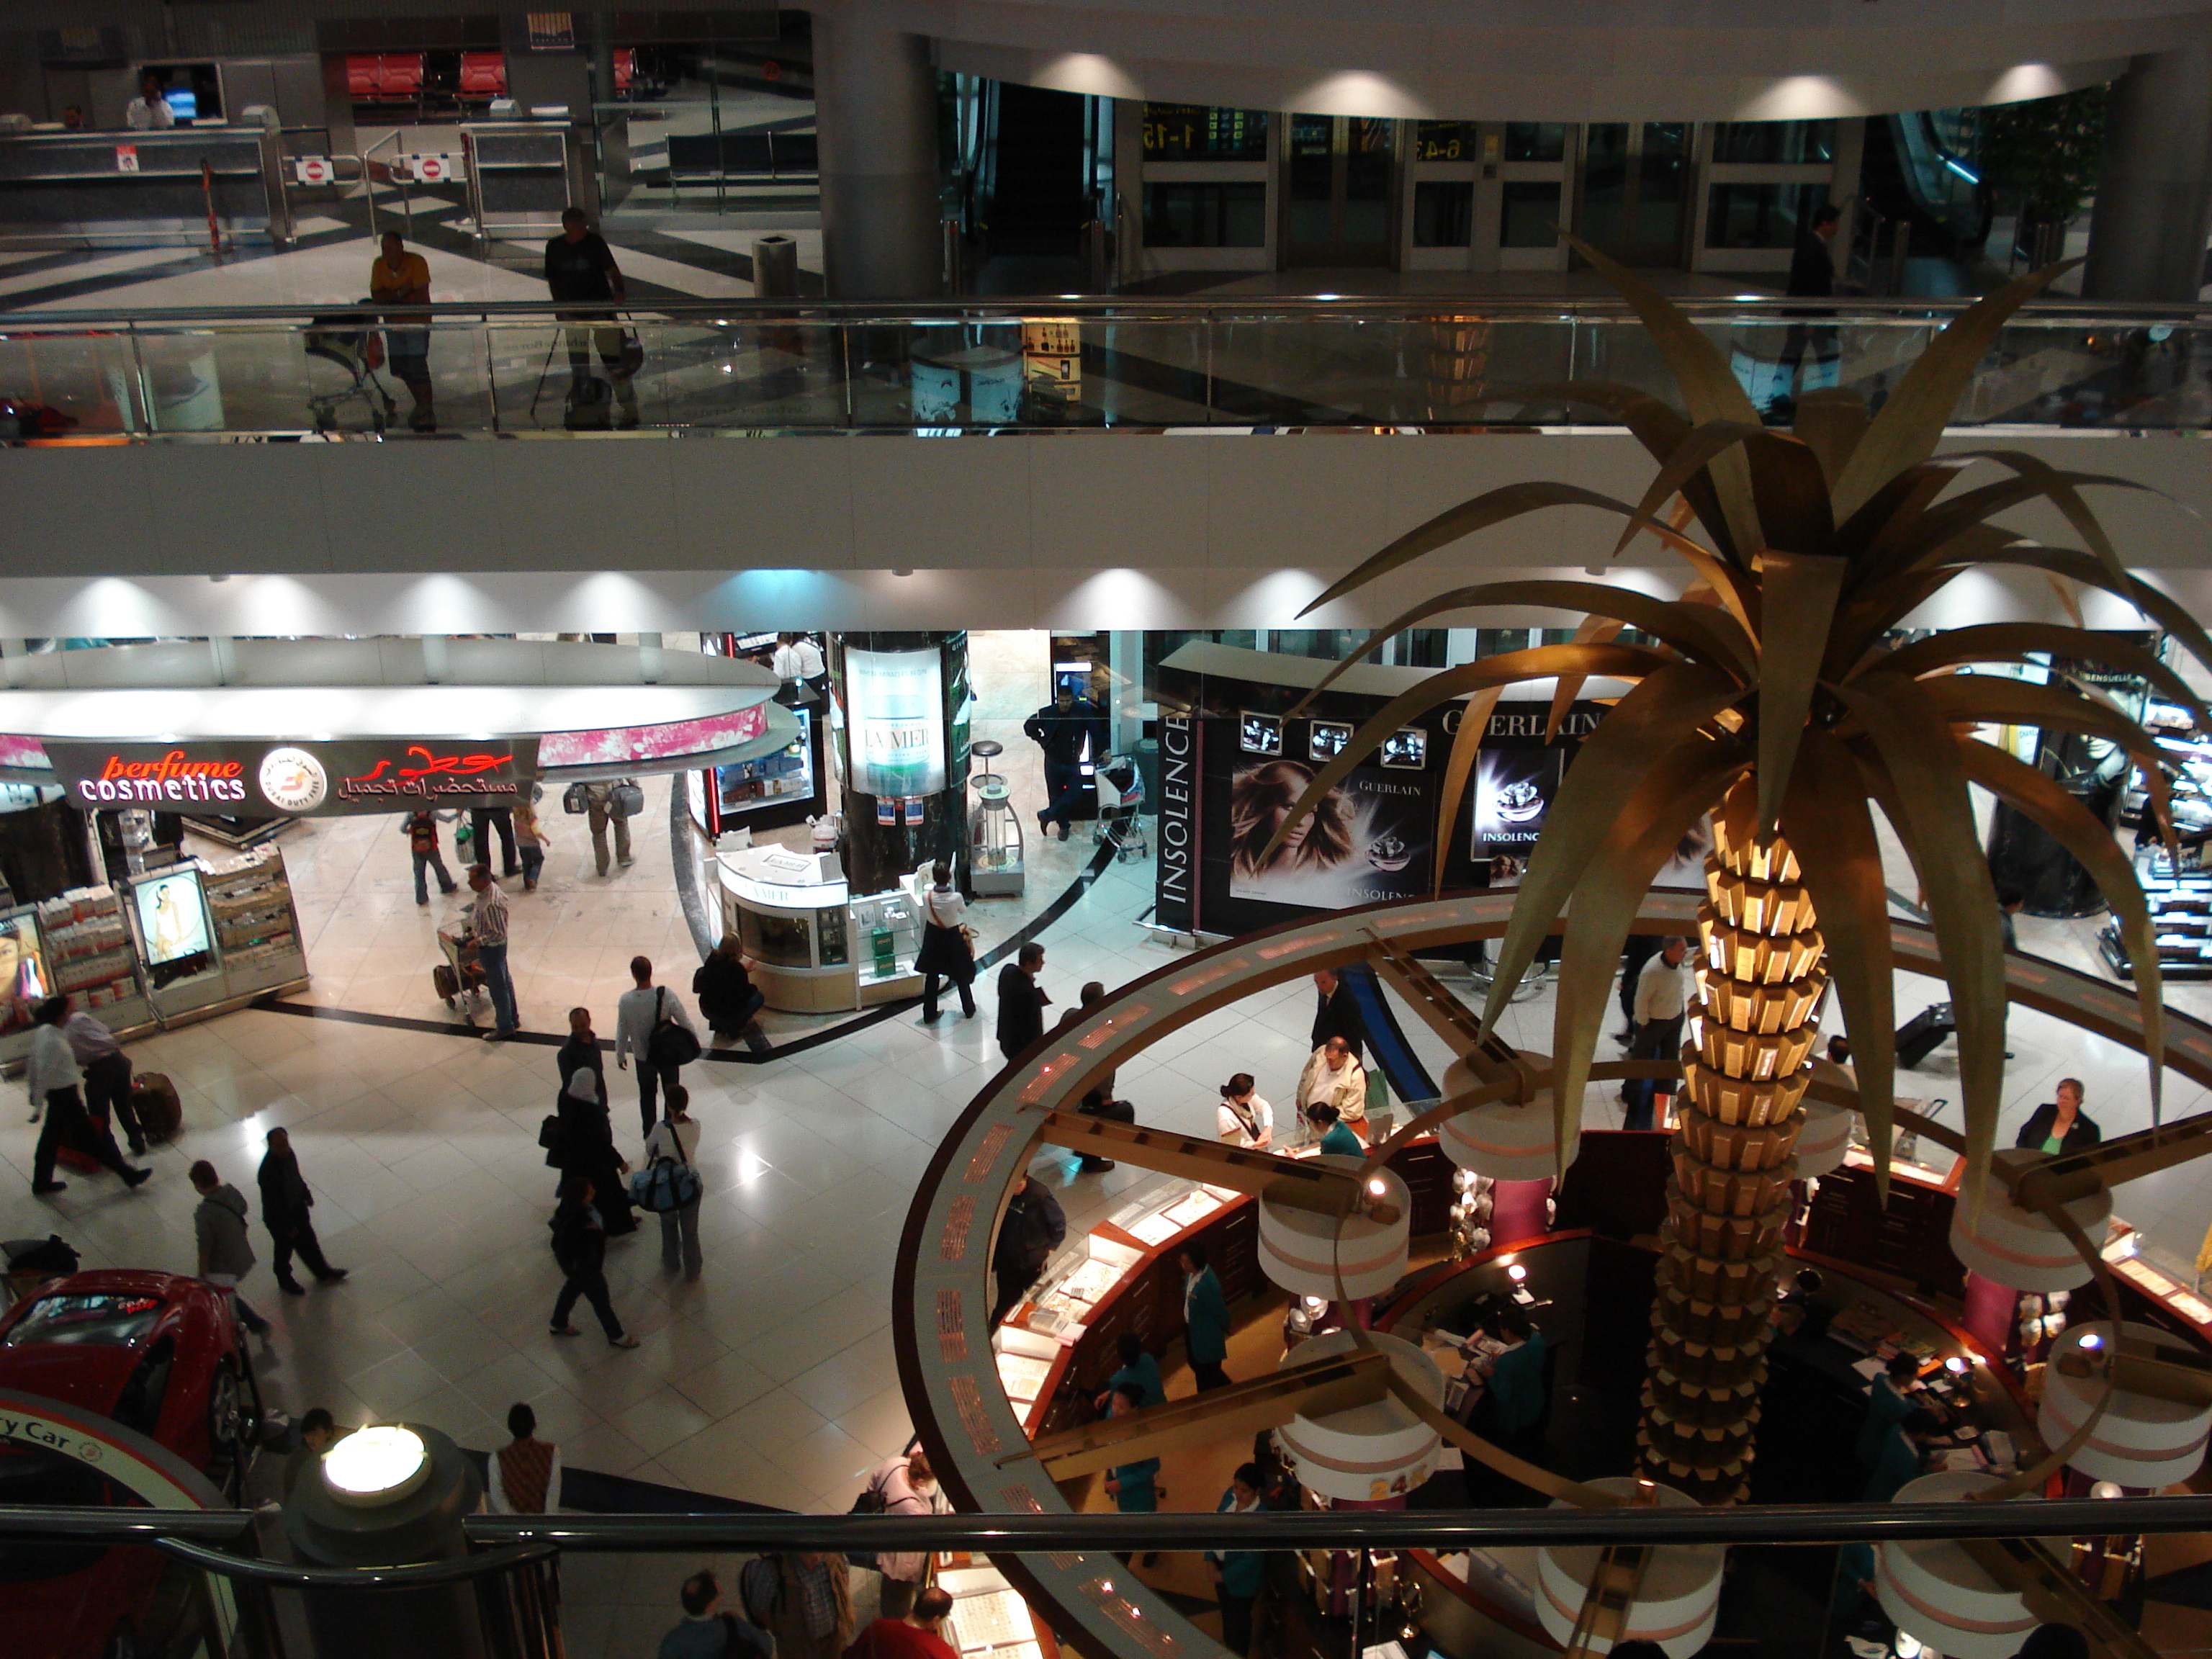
(227, 1413)
(122, 1643)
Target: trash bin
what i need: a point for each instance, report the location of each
(775, 268)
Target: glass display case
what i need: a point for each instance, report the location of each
(994, 834)
(817, 949)
(786, 777)
(888, 931)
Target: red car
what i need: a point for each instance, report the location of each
(158, 1353)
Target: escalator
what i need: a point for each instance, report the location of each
(1038, 201)
(1921, 175)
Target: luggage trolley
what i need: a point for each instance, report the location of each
(458, 979)
(355, 344)
(1121, 787)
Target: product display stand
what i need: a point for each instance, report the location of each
(257, 927)
(89, 955)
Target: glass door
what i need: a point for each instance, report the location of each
(1635, 184)
(1339, 190)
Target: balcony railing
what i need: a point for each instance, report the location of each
(252, 1606)
(761, 368)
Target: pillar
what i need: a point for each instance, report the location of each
(902, 736)
(875, 102)
(1517, 1211)
(2154, 196)
(1989, 1313)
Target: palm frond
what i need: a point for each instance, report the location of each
(1911, 421)
(1830, 421)
(1797, 610)
(1988, 642)
(2079, 567)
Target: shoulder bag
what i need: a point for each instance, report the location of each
(669, 1044)
(665, 1184)
(576, 799)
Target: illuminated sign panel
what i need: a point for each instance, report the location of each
(244, 780)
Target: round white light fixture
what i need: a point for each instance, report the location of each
(1676, 1601)
(1934, 1592)
(1371, 1453)
(2023, 1249)
(2141, 1440)
(376, 1465)
(1312, 1253)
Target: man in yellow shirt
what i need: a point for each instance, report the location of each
(399, 277)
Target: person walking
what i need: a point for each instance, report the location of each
(107, 1074)
(644, 1017)
(484, 821)
(1334, 1076)
(675, 1141)
(226, 1253)
(397, 277)
(525, 1474)
(579, 1250)
(489, 926)
(421, 829)
(531, 838)
(587, 1144)
(728, 999)
(1030, 1232)
(580, 266)
(52, 1077)
(908, 1486)
(1206, 1320)
(802, 1599)
(709, 1632)
(1021, 1001)
(603, 805)
(1239, 1575)
(917, 1633)
(1811, 275)
(1663, 995)
(1069, 729)
(285, 1201)
(948, 950)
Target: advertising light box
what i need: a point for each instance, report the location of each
(895, 715)
(301, 779)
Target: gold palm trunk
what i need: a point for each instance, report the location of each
(1760, 976)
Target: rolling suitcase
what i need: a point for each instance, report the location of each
(1918, 1038)
(153, 1098)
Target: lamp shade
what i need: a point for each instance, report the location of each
(1499, 1139)
(1936, 1592)
(1824, 1139)
(2141, 1440)
(1313, 1253)
(1675, 1602)
(2019, 1248)
(1366, 1454)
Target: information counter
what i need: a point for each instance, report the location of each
(140, 188)
(816, 948)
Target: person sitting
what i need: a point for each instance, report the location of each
(1517, 1375)
(728, 999)
(1888, 1401)
(1336, 1137)
(1901, 1459)
(1135, 1488)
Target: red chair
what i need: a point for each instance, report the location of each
(625, 68)
(401, 80)
(483, 75)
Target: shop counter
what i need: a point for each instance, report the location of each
(816, 948)
(140, 187)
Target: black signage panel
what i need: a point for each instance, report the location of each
(287, 778)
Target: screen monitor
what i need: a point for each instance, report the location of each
(172, 923)
(1327, 739)
(184, 103)
(1408, 746)
(1260, 734)
(25, 980)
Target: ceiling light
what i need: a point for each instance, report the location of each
(376, 1465)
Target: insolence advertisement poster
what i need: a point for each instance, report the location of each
(1369, 838)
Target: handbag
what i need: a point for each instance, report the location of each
(576, 799)
(663, 1185)
(629, 799)
(669, 1044)
(870, 1501)
(553, 1136)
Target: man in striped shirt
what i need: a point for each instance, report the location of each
(490, 928)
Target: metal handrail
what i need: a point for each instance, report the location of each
(1237, 309)
(1435, 1529)
(457, 1569)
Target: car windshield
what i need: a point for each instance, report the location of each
(108, 1319)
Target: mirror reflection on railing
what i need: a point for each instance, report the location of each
(765, 368)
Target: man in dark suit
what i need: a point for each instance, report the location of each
(1070, 730)
(285, 1201)
(1021, 1000)
(1335, 1014)
(1811, 275)
(2060, 1127)
(1033, 1229)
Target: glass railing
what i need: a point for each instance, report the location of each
(534, 1587)
(509, 370)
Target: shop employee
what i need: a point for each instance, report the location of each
(2061, 1126)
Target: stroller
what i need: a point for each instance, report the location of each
(355, 344)
(1120, 803)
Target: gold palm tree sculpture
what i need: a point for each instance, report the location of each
(1772, 698)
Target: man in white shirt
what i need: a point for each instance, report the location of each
(52, 1077)
(150, 111)
(639, 1010)
(1333, 1077)
(1663, 993)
